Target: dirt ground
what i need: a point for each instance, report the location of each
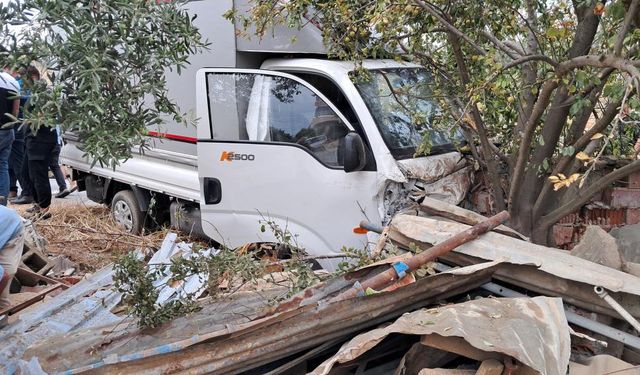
(85, 233)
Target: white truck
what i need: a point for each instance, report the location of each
(283, 134)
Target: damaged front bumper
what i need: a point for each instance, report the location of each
(446, 177)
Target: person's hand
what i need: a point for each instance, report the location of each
(637, 146)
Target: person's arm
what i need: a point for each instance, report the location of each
(15, 109)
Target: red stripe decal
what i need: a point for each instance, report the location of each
(173, 137)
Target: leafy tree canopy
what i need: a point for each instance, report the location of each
(545, 87)
(104, 59)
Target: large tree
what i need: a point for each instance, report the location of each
(541, 87)
(105, 61)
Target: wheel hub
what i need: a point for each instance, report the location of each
(122, 215)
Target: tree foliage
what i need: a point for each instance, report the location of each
(106, 61)
(536, 84)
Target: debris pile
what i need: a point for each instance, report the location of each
(496, 305)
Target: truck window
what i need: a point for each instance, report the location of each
(334, 94)
(402, 105)
(264, 108)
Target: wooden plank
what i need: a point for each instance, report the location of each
(445, 371)
(556, 264)
(423, 357)
(382, 241)
(459, 346)
(27, 273)
(37, 298)
(490, 367)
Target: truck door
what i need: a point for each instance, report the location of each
(271, 147)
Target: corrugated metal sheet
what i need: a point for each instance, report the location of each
(532, 330)
(494, 246)
(211, 341)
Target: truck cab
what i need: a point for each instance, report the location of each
(302, 143)
(287, 137)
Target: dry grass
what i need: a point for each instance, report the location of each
(88, 236)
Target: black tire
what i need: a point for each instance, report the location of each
(126, 212)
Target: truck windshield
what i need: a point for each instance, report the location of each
(401, 103)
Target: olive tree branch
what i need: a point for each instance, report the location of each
(629, 17)
(586, 194)
(454, 30)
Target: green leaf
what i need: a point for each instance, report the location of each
(616, 10)
(568, 151)
(545, 164)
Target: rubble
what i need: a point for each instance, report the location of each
(497, 304)
(599, 247)
(534, 267)
(628, 240)
(33, 254)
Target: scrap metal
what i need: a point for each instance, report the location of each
(238, 344)
(399, 269)
(616, 306)
(572, 317)
(538, 268)
(532, 330)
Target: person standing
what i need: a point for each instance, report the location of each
(40, 145)
(9, 106)
(26, 193)
(11, 244)
(55, 166)
(18, 148)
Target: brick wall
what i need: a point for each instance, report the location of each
(616, 206)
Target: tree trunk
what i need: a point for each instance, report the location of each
(489, 159)
(523, 217)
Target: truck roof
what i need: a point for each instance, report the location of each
(332, 66)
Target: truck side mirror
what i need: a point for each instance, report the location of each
(353, 152)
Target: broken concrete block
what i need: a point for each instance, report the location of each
(61, 264)
(32, 239)
(628, 240)
(599, 247)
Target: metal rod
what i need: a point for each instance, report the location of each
(418, 260)
(573, 318)
(602, 293)
(370, 227)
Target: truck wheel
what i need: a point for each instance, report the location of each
(126, 212)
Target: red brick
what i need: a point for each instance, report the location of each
(633, 216)
(482, 202)
(623, 198)
(562, 234)
(634, 181)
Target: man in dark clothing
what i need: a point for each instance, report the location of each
(39, 152)
(26, 194)
(40, 145)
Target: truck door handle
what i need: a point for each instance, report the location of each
(212, 190)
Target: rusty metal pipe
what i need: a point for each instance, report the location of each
(392, 274)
